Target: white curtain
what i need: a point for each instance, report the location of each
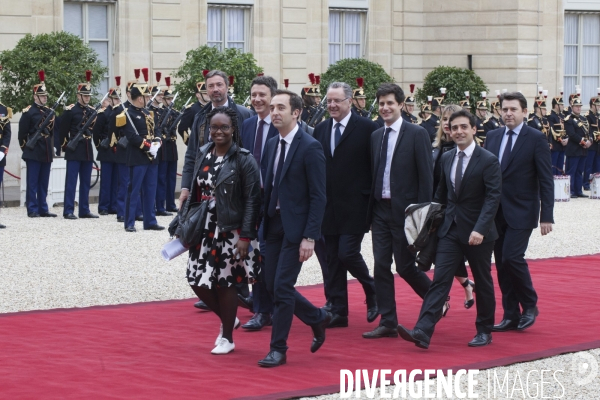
(214, 22)
(235, 28)
(352, 31)
(73, 22)
(97, 22)
(571, 54)
(590, 65)
(335, 45)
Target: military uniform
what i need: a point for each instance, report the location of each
(167, 169)
(577, 128)
(430, 121)
(359, 93)
(410, 100)
(592, 162)
(39, 158)
(557, 131)
(5, 133)
(313, 91)
(187, 119)
(81, 160)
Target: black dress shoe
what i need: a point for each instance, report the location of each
(327, 306)
(103, 212)
(319, 333)
(583, 195)
(506, 325)
(130, 229)
(2, 226)
(527, 318)
(273, 359)
(337, 321)
(120, 219)
(574, 196)
(155, 227)
(113, 212)
(481, 339)
(173, 210)
(372, 311)
(48, 215)
(163, 214)
(201, 305)
(380, 332)
(416, 336)
(33, 215)
(258, 321)
(245, 302)
(69, 216)
(139, 218)
(90, 215)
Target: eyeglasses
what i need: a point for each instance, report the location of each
(222, 128)
(336, 101)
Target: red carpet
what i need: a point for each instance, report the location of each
(162, 349)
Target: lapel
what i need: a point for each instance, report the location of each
(327, 144)
(223, 175)
(448, 167)
(495, 146)
(271, 149)
(472, 165)
(290, 155)
(348, 130)
(253, 126)
(400, 135)
(378, 138)
(518, 145)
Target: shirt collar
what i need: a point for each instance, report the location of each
(396, 125)
(517, 130)
(290, 136)
(267, 119)
(469, 150)
(344, 121)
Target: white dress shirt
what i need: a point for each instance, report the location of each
(517, 130)
(392, 139)
(288, 142)
(343, 123)
(466, 158)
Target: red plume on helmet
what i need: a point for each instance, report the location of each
(168, 81)
(145, 73)
(311, 76)
(42, 75)
(136, 72)
(286, 83)
(205, 72)
(88, 75)
(118, 80)
(412, 88)
(158, 76)
(260, 74)
(360, 82)
(317, 79)
(231, 80)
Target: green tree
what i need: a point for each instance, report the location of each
(348, 69)
(455, 80)
(231, 61)
(63, 57)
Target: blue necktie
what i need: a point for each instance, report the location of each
(507, 150)
(258, 141)
(338, 135)
(382, 164)
(275, 192)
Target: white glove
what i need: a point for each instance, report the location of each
(154, 149)
(2, 155)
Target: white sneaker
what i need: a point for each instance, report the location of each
(235, 326)
(223, 347)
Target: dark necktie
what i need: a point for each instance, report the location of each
(382, 164)
(275, 192)
(507, 150)
(459, 172)
(258, 141)
(338, 135)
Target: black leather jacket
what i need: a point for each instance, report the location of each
(237, 191)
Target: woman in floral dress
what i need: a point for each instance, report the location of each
(227, 177)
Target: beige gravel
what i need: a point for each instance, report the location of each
(56, 263)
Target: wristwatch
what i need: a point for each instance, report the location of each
(309, 239)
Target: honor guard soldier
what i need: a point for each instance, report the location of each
(106, 145)
(592, 161)
(142, 149)
(5, 133)
(567, 111)
(537, 119)
(496, 109)
(38, 149)
(578, 129)
(559, 138)
(359, 100)
(156, 108)
(430, 121)
(465, 103)
(187, 119)
(167, 169)
(80, 160)
(409, 106)
(311, 97)
(485, 123)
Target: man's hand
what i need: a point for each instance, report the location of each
(587, 144)
(306, 250)
(545, 228)
(475, 239)
(185, 193)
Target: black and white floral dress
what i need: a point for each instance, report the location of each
(212, 262)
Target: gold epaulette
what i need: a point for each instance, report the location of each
(26, 109)
(487, 120)
(10, 112)
(121, 119)
(67, 108)
(101, 110)
(189, 105)
(151, 113)
(568, 117)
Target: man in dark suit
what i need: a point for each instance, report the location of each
(346, 140)
(470, 189)
(526, 167)
(402, 174)
(256, 131)
(294, 207)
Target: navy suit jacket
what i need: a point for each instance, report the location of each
(302, 196)
(527, 178)
(248, 137)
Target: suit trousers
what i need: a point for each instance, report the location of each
(590, 163)
(514, 278)
(83, 169)
(575, 167)
(321, 253)
(558, 162)
(281, 272)
(262, 299)
(38, 177)
(123, 171)
(343, 256)
(141, 177)
(165, 189)
(109, 183)
(450, 254)
(389, 239)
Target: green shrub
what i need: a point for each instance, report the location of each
(456, 81)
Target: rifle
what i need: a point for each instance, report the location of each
(123, 142)
(174, 123)
(38, 132)
(152, 99)
(163, 122)
(318, 114)
(372, 108)
(72, 145)
(246, 101)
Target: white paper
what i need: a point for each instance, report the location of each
(173, 249)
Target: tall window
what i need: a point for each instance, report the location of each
(91, 22)
(345, 34)
(582, 54)
(228, 26)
